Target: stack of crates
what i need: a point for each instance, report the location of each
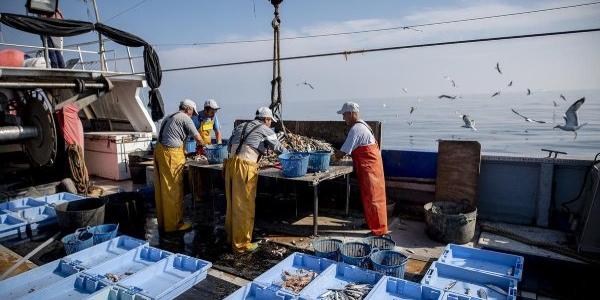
(465, 273)
(122, 268)
(17, 217)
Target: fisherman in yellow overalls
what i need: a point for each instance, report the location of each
(169, 160)
(248, 142)
(207, 121)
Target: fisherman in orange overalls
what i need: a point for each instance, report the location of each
(368, 165)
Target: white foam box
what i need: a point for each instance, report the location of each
(106, 153)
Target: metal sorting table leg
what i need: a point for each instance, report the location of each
(347, 194)
(316, 210)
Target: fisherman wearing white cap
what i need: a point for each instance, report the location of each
(207, 121)
(368, 165)
(248, 142)
(169, 159)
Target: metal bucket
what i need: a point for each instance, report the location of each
(450, 222)
(80, 213)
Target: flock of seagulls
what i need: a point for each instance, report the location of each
(570, 117)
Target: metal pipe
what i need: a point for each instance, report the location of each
(130, 60)
(17, 133)
(81, 58)
(103, 66)
(58, 85)
(46, 53)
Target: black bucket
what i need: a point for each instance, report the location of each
(80, 213)
(450, 222)
(126, 209)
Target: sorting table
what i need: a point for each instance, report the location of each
(343, 169)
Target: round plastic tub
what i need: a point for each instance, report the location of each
(294, 164)
(215, 154)
(77, 241)
(105, 232)
(318, 161)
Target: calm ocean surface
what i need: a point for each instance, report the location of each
(499, 130)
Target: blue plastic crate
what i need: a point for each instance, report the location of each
(337, 276)
(53, 272)
(129, 263)
(19, 204)
(12, 226)
(400, 289)
(296, 261)
(78, 286)
(38, 278)
(492, 262)
(59, 198)
(41, 215)
(441, 276)
(165, 279)
(256, 291)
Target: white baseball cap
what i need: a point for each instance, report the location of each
(265, 112)
(211, 103)
(348, 107)
(190, 103)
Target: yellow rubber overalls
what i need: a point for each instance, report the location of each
(205, 127)
(168, 184)
(241, 178)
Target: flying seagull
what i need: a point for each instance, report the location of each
(528, 92)
(498, 68)
(510, 83)
(307, 84)
(451, 80)
(469, 123)
(563, 97)
(405, 90)
(495, 94)
(412, 108)
(409, 123)
(526, 118)
(571, 119)
(555, 104)
(447, 97)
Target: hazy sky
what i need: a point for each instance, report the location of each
(553, 63)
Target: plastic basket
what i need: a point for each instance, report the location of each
(380, 242)
(104, 232)
(356, 253)
(81, 239)
(389, 262)
(318, 161)
(190, 146)
(327, 248)
(294, 164)
(215, 153)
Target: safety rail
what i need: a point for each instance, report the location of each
(81, 63)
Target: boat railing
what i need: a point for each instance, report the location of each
(100, 64)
